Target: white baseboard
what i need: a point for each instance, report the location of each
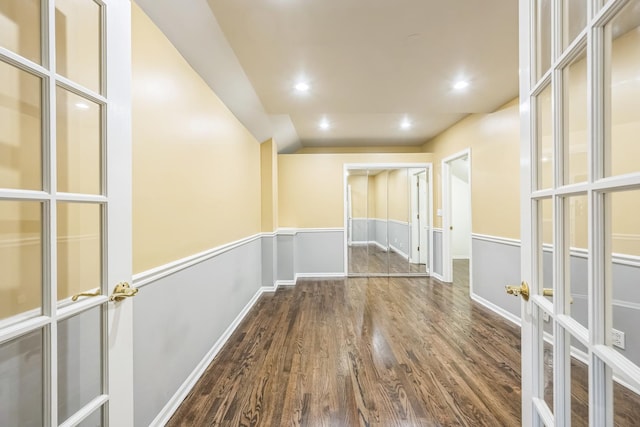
(279, 283)
(176, 400)
(438, 276)
(319, 275)
(399, 252)
(497, 309)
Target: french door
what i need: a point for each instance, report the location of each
(65, 221)
(580, 138)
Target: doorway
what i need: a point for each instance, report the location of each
(456, 190)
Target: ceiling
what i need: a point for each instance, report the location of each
(369, 64)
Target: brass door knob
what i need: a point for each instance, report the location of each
(523, 290)
(121, 291)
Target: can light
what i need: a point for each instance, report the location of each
(461, 84)
(302, 87)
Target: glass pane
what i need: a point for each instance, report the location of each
(547, 369)
(21, 129)
(545, 247)
(21, 375)
(545, 140)
(399, 225)
(624, 239)
(624, 149)
(79, 248)
(93, 420)
(79, 144)
(79, 361)
(626, 406)
(575, 105)
(577, 209)
(78, 42)
(543, 37)
(20, 258)
(358, 224)
(378, 252)
(575, 19)
(20, 27)
(579, 394)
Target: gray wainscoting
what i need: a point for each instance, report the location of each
(319, 252)
(360, 230)
(380, 235)
(494, 266)
(400, 237)
(178, 319)
(269, 260)
(437, 252)
(285, 256)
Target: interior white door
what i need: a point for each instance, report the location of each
(65, 213)
(580, 192)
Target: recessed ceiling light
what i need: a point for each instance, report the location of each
(461, 84)
(324, 124)
(405, 124)
(82, 106)
(302, 87)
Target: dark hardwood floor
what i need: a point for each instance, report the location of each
(370, 351)
(372, 259)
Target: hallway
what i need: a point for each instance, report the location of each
(377, 351)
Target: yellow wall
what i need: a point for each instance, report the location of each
(310, 186)
(269, 181)
(398, 195)
(494, 140)
(378, 191)
(196, 169)
(359, 199)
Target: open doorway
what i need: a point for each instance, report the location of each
(456, 192)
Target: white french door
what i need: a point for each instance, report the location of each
(580, 193)
(65, 213)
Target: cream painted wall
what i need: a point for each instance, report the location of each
(398, 195)
(310, 186)
(359, 185)
(379, 192)
(269, 185)
(196, 169)
(495, 168)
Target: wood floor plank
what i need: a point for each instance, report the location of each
(371, 352)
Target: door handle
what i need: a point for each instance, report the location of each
(121, 291)
(86, 294)
(514, 290)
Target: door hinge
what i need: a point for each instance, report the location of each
(418, 248)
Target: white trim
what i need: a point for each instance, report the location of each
(399, 252)
(176, 400)
(294, 231)
(395, 221)
(279, 283)
(157, 273)
(496, 309)
(336, 275)
(436, 229)
(437, 276)
(496, 239)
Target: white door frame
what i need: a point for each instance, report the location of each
(366, 166)
(447, 260)
(416, 219)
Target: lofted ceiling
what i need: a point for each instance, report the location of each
(369, 64)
